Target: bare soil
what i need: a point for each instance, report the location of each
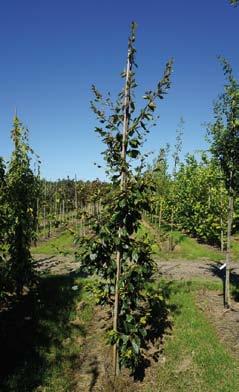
(186, 269)
(55, 264)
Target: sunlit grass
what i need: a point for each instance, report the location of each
(61, 244)
(195, 360)
(184, 247)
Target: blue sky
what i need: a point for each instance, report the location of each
(53, 50)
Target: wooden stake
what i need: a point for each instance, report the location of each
(122, 186)
(227, 298)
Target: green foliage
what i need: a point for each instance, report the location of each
(234, 2)
(224, 132)
(57, 199)
(186, 248)
(21, 190)
(224, 146)
(2, 203)
(200, 199)
(193, 199)
(112, 251)
(3, 230)
(148, 312)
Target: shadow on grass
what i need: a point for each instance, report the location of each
(160, 324)
(33, 329)
(234, 279)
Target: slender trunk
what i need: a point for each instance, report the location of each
(99, 209)
(49, 229)
(122, 186)
(222, 236)
(221, 220)
(76, 204)
(171, 232)
(63, 211)
(227, 299)
(44, 214)
(160, 219)
(49, 223)
(37, 225)
(44, 220)
(160, 215)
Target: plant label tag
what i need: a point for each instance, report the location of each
(222, 266)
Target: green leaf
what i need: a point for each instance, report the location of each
(135, 346)
(133, 153)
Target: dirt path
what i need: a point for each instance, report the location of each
(96, 356)
(171, 269)
(186, 269)
(55, 264)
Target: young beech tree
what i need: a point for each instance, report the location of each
(22, 191)
(225, 147)
(114, 251)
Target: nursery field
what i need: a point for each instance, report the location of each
(119, 250)
(62, 332)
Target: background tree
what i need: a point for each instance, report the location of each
(158, 172)
(234, 2)
(224, 135)
(2, 203)
(22, 191)
(195, 196)
(3, 229)
(178, 145)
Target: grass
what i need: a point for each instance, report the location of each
(186, 248)
(189, 249)
(235, 247)
(41, 337)
(61, 244)
(195, 358)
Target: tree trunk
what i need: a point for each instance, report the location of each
(63, 210)
(44, 214)
(49, 223)
(222, 237)
(44, 221)
(37, 225)
(221, 221)
(171, 245)
(76, 204)
(227, 299)
(49, 229)
(160, 215)
(122, 186)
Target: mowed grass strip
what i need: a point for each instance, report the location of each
(61, 244)
(195, 359)
(185, 247)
